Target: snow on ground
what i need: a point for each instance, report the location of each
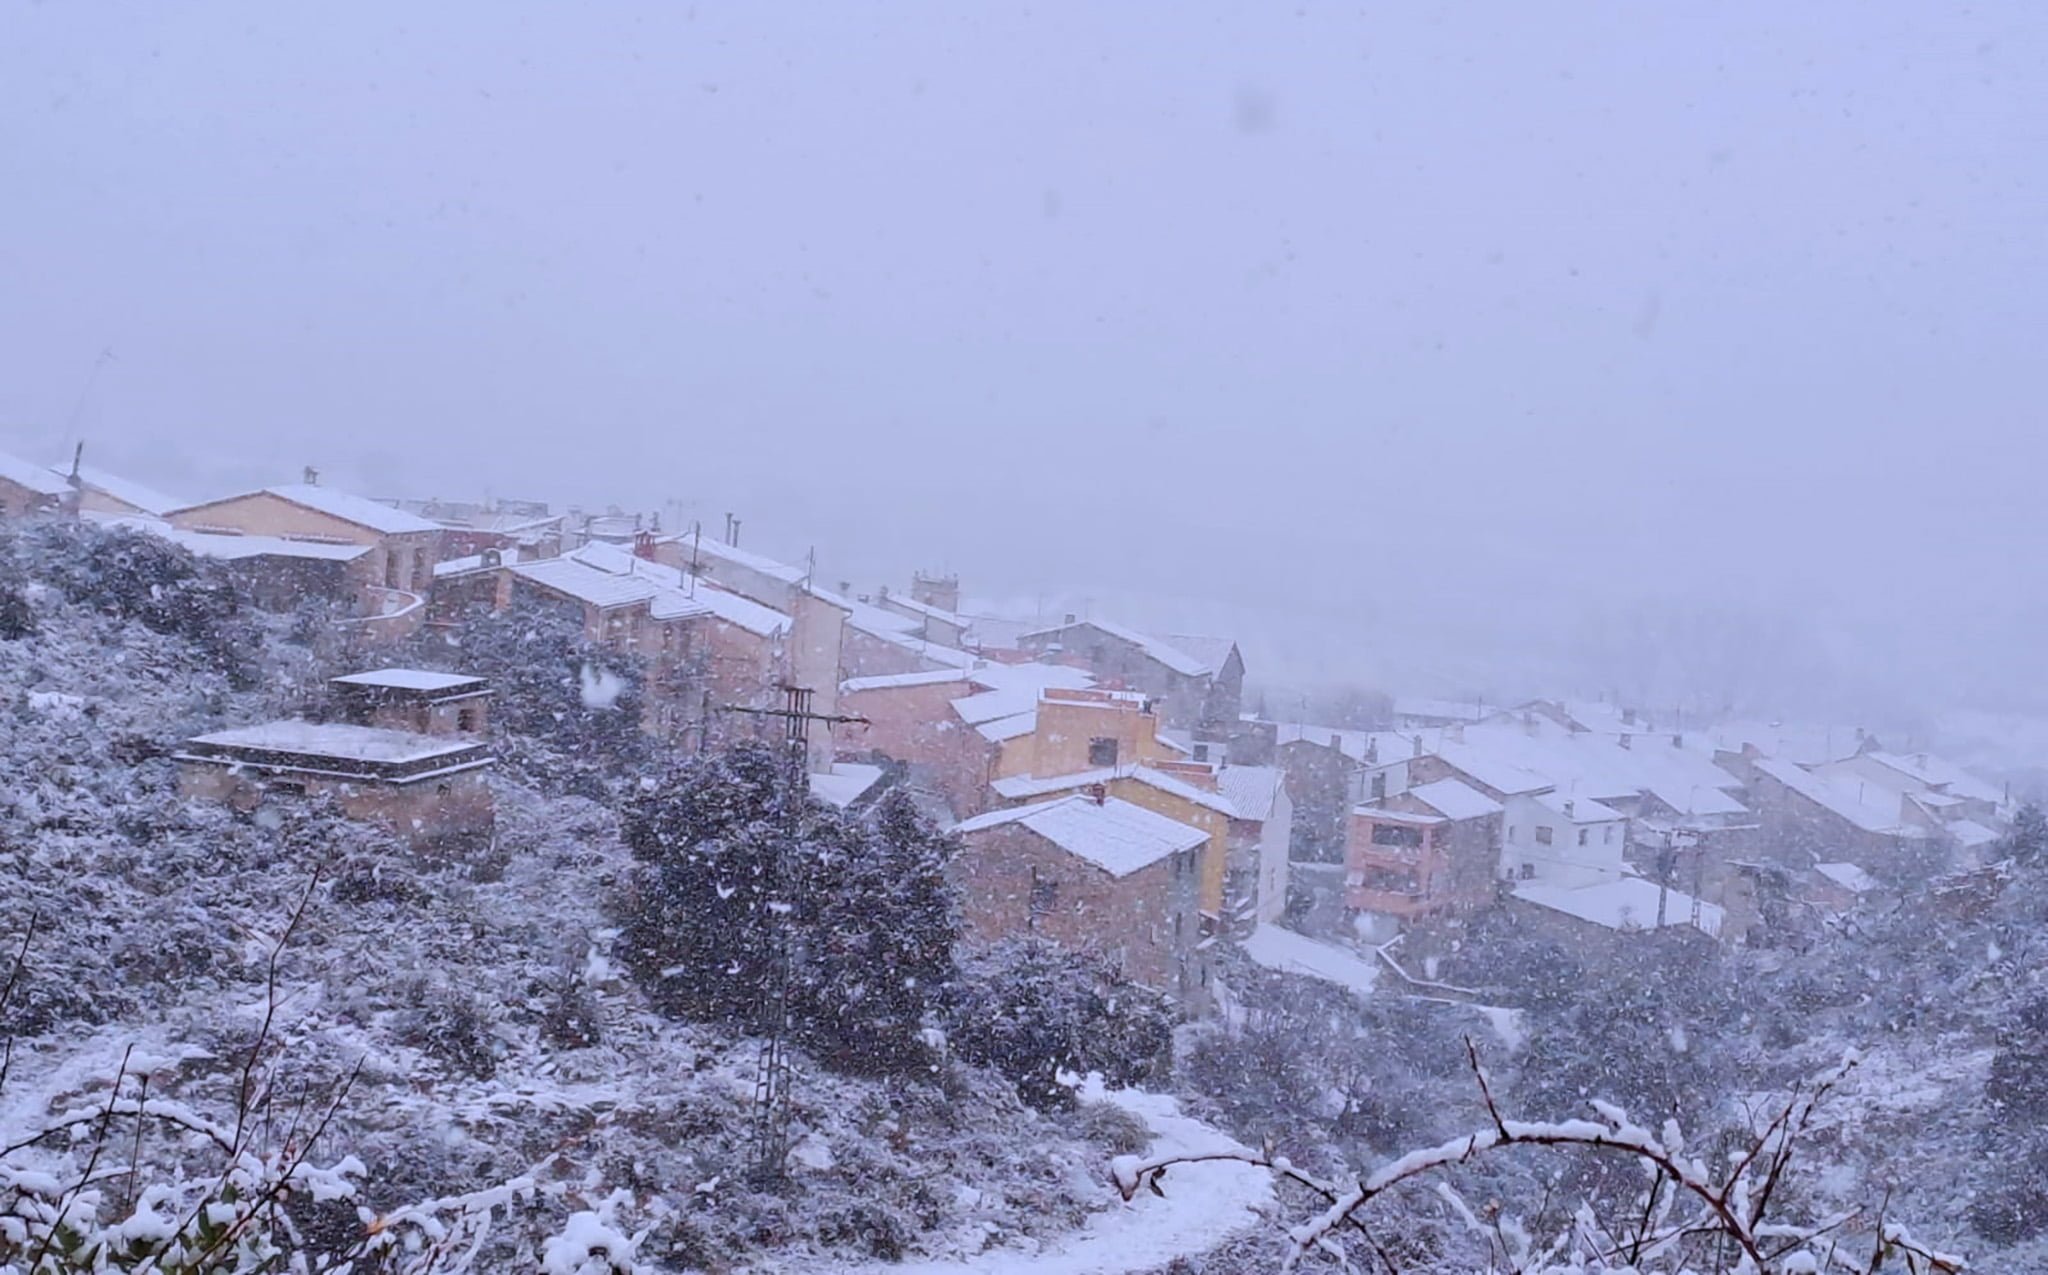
(1292, 953)
(1204, 1205)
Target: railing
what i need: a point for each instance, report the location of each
(393, 614)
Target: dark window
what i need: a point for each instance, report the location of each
(286, 787)
(1542, 836)
(1393, 834)
(1582, 836)
(1379, 786)
(1528, 872)
(465, 719)
(1101, 751)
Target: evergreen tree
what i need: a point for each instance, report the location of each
(884, 930)
(2026, 842)
(700, 928)
(2014, 1204)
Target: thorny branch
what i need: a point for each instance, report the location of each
(1730, 1209)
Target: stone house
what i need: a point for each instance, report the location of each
(1092, 873)
(1197, 681)
(703, 649)
(1808, 818)
(429, 790)
(416, 700)
(395, 576)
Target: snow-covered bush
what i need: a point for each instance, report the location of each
(1044, 1016)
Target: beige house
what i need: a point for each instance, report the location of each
(100, 492)
(1092, 873)
(429, 790)
(395, 575)
(27, 488)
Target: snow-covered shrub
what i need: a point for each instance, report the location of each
(1044, 1016)
(452, 1029)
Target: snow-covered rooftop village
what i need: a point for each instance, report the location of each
(1197, 638)
(735, 917)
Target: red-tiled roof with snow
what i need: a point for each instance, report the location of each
(1114, 835)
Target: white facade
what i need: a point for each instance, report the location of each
(1560, 841)
(1273, 838)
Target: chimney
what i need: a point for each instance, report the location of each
(1201, 752)
(1568, 808)
(643, 544)
(1069, 619)
(1628, 717)
(1372, 749)
(883, 595)
(1098, 793)
(1417, 741)
(1625, 737)
(1677, 740)
(846, 589)
(312, 476)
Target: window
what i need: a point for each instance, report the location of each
(1582, 835)
(286, 787)
(1393, 834)
(1379, 786)
(1543, 836)
(1528, 872)
(442, 789)
(1610, 834)
(1511, 834)
(465, 719)
(1101, 751)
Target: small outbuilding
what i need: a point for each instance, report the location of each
(428, 789)
(417, 700)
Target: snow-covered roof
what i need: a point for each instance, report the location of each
(1492, 769)
(1438, 709)
(1970, 834)
(1582, 809)
(1210, 650)
(148, 499)
(1291, 953)
(1928, 769)
(1511, 759)
(844, 783)
(1455, 800)
(459, 566)
(1629, 903)
(747, 558)
(1383, 746)
(1011, 727)
(1022, 787)
(336, 740)
(1252, 789)
(1114, 835)
(1160, 649)
(359, 510)
(891, 681)
(682, 595)
(988, 706)
(230, 547)
(1868, 805)
(927, 610)
(585, 583)
(409, 679)
(1380, 814)
(1848, 876)
(36, 478)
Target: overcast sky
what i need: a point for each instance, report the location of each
(1449, 344)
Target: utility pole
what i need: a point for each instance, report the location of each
(773, 1077)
